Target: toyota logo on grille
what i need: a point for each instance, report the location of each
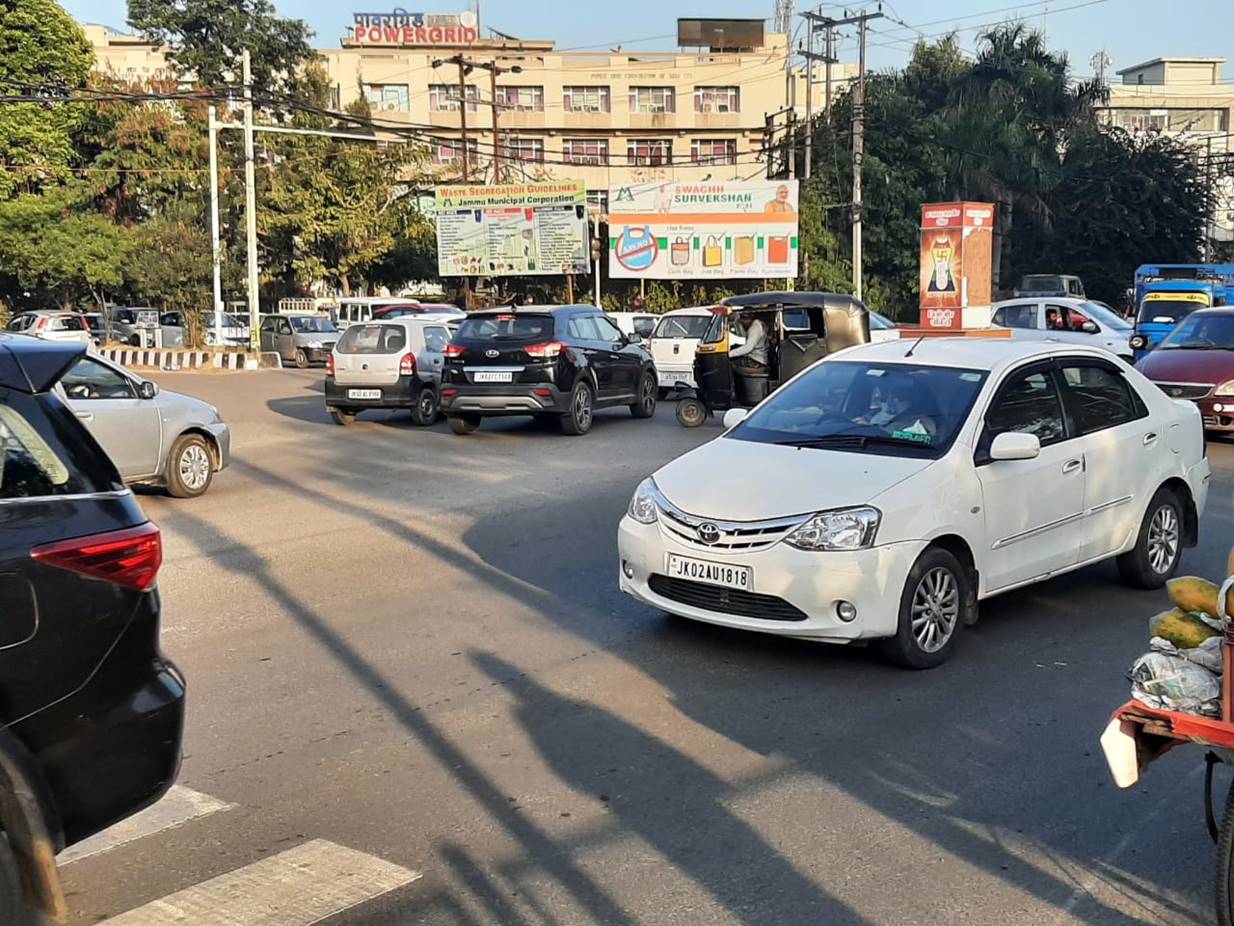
(708, 533)
(1176, 392)
(492, 353)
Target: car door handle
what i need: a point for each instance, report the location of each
(1072, 466)
(85, 416)
(614, 356)
(1150, 438)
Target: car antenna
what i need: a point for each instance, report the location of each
(914, 347)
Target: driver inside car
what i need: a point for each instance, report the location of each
(897, 411)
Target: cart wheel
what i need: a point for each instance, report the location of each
(1225, 865)
(691, 413)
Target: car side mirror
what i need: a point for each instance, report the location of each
(1090, 328)
(734, 417)
(147, 389)
(1015, 445)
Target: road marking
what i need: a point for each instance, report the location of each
(298, 887)
(178, 805)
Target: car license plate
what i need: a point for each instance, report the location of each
(699, 570)
(364, 393)
(491, 377)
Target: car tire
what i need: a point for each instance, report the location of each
(301, 359)
(936, 595)
(645, 405)
(190, 467)
(424, 412)
(463, 424)
(1158, 546)
(343, 416)
(581, 412)
(691, 413)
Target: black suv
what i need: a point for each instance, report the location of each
(559, 361)
(91, 714)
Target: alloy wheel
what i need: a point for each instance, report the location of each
(1163, 539)
(936, 609)
(582, 408)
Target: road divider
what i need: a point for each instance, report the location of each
(182, 359)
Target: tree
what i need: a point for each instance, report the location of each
(42, 52)
(207, 37)
(171, 263)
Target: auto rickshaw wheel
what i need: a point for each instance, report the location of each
(691, 413)
(1225, 864)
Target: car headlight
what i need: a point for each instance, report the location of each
(1138, 342)
(845, 529)
(1226, 388)
(643, 504)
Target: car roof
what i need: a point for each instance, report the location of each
(34, 365)
(692, 310)
(1029, 297)
(993, 354)
(535, 310)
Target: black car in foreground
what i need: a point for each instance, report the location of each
(91, 713)
(547, 361)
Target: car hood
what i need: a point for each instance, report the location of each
(185, 409)
(737, 480)
(1182, 365)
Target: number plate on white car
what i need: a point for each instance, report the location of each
(364, 393)
(699, 570)
(505, 377)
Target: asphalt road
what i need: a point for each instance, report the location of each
(411, 644)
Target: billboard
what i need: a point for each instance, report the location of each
(955, 260)
(720, 33)
(737, 229)
(398, 27)
(519, 229)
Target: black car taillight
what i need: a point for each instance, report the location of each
(547, 351)
(454, 351)
(129, 557)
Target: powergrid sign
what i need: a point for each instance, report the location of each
(398, 27)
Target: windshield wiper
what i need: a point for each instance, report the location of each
(861, 441)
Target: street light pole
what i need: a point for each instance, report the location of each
(216, 256)
(492, 74)
(250, 205)
(462, 116)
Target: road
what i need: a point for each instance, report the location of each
(407, 656)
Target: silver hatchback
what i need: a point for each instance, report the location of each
(393, 363)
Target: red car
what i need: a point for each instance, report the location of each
(1196, 362)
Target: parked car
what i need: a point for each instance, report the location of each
(353, 310)
(1050, 284)
(301, 339)
(931, 475)
(636, 323)
(882, 328)
(52, 326)
(547, 361)
(232, 333)
(94, 321)
(1196, 362)
(435, 310)
(387, 363)
(153, 436)
(673, 344)
(128, 324)
(91, 710)
(1071, 321)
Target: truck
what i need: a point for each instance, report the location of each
(1167, 293)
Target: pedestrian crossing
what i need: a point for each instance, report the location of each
(305, 884)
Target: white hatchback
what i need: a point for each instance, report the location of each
(881, 493)
(674, 343)
(1066, 320)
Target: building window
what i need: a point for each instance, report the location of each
(443, 98)
(524, 149)
(522, 99)
(451, 152)
(713, 150)
(585, 100)
(717, 100)
(653, 100)
(1139, 119)
(589, 151)
(388, 97)
(649, 152)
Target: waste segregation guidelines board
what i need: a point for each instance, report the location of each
(726, 230)
(519, 229)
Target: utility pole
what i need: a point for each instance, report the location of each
(216, 254)
(829, 62)
(816, 21)
(250, 205)
(462, 115)
(492, 75)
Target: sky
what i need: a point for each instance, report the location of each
(1130, 31)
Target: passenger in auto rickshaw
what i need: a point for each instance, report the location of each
(751, 360)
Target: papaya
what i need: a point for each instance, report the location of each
(1182, 629)
(1229, 570)
(1191, 594)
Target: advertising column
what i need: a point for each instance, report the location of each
(956, 265)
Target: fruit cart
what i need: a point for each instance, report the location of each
(1137, 734)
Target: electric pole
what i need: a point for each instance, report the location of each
(216, 254)
(250, 205)
(1100, 61)
(815, 22)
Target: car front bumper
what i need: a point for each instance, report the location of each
(1218, 413)
(502, 399)
(222, 440)
(400, 394)
(812, 583)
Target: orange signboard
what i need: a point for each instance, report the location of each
(955, 261)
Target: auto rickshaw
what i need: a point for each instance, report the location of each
(802, 329)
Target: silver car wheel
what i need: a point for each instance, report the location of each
(1163, 539)
(194, 467)
(935, 609)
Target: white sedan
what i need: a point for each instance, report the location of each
(882, 492)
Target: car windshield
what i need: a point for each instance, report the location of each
(1204, 331)
(506, 327)
(682, 326)
(883, 408)
(880, 322)
(1167, 310)
(126, 317)
(313, 325)
(1108, 319)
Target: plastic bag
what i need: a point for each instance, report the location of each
(1207, 654)
(1170, 681)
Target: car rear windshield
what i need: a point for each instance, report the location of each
(1035, 284)
(372, 339)
(683, 326)
(506, 328)
(308, 324)
(853, 406)
(1203, 331)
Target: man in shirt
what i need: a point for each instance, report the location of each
(751, 357)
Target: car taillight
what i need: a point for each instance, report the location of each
(130, 557)
(454, 351)
(546, 351)
(329, 364)
(407, 366)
